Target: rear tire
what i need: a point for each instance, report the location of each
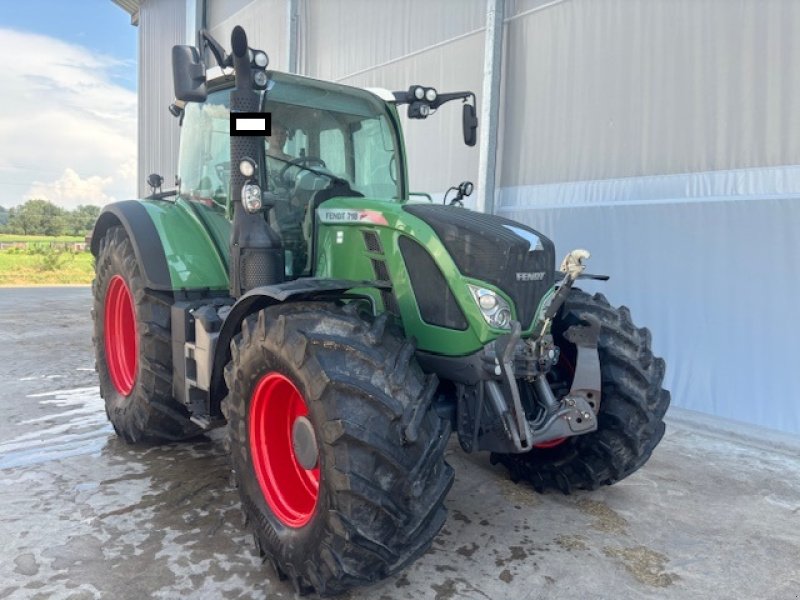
(630, 420)
(133, 350)
(374, 501)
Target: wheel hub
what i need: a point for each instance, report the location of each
(304, 443)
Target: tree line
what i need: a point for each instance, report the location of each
(41, 217)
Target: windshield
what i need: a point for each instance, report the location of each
(319, 130)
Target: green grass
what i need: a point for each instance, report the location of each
(38, 269)
(15, 237)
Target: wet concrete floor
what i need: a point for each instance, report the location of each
(83, 515)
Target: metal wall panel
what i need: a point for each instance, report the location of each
(342, 37)
(263, 20)
(623, 88)
(162, 24)
(437, 155)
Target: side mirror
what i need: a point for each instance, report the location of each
(188, 74)
(470, 124)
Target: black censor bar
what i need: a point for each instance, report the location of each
(251, 123)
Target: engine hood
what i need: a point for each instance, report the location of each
(509, 255)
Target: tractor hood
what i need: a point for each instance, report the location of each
(515, 258)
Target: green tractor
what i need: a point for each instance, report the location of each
(292, 289)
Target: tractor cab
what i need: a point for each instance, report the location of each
(323, 136)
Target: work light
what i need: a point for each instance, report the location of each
(251, 197)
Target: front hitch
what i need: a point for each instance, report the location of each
(512, 358)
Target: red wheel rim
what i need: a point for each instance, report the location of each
(290, 490)
(122, 349)
(550, 444)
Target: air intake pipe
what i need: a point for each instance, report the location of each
(257, 256)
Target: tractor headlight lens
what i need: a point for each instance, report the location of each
(493, 307)
(419, 93)
(260, 79)
(503, 318)
(487, 301)
(430, 95)
(260, 59)
(251, 197)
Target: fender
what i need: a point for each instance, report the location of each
(147, 247)
(262, 297)
(177, 245)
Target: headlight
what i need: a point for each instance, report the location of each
(492, 306)
(251, 197)
(430, 94)
(419, 93)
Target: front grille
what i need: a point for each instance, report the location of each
(437, 305)
(389, 302)
(372, 242)
(380, 270)
(487, 248)
(382, 274)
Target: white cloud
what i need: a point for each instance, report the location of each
(70, 190)
(67, 131)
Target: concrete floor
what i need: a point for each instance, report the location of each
(82, 515)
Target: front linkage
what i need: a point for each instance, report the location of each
(506, 404)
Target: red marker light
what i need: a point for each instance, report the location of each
(372, 216)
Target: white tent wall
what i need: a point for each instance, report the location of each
(263, 20)
(162, 23)
(624, 88)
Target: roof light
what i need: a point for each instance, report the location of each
(260, 59)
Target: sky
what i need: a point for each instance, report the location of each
(67, 102)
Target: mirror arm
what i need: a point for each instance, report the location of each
(204, 38)
(443, 98)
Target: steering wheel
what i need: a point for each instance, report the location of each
(303, 161)
(223, 171)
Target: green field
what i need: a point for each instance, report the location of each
(14, 237)
(60, 268)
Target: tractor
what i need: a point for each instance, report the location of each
(293, 290)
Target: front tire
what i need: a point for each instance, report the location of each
(132, 340)
(630, 419)
(373, 501)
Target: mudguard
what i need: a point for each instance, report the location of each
(261, 297)
(177, 246)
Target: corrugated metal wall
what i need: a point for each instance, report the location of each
(263, 20)
(162, 24)
(624, 88)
